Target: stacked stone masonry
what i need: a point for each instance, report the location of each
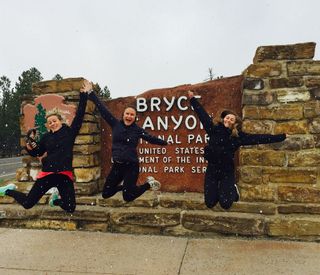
(279, 183)
(281, 95)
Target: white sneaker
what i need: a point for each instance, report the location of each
(54, 196)
(9, 186)
(154, 184)
(238, 193)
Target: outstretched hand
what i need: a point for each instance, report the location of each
(86, 86)
(190, 94)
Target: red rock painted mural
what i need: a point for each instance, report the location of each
(46, 102)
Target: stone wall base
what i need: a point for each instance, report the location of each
(172, 214)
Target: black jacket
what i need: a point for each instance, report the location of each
(59, 144)
(125, 138)
(222, 146)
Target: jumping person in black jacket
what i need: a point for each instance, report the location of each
(55, 151)
(125, 137)
(225, 137)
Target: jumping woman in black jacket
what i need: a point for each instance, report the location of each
(125, 137)
(225, 137)
(55, 151)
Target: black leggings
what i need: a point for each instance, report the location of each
(41, 186)
(219, 186)
(128, 173)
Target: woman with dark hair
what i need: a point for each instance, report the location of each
(125, 138)
(55, 152)
(225, 137)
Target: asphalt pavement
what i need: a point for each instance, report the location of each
(24, 251)
(8, 167)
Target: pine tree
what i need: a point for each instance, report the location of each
(40, 121)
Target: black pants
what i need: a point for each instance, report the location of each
(41, 186)
(128, 173)
(219, 186)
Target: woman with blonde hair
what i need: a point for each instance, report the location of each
(225, 137)
(55, 152)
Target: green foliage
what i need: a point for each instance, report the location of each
(40, 122)
(105, 93)
(57, 77)
(10, 110)
(25, 81)
(9, 135)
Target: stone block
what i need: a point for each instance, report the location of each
(145, 217)
(251, 98)
(290, 175)
(314, 126)
(281, 112)
(85, 139)
(182, 200)
(87, 148)
(264, 70)
(253, 83)
(262, 158)
(292, 127)
(257, 193)
(312, 81)
(87, 174)
(285, 82)
(301, 194)
(93, 226)
(305, 158)
(224, 223)
(294, 227)
(285, 52)
(258, 126)
(250, 174)
(289, 96)
(84, 200)
(299, 209)
(311, 109)
(295, 143)
(89, 128)
(303, 68)
(51, 224)
(22, 174)
(148, 199)
(86, 188)
(58, 86)
(80, 161)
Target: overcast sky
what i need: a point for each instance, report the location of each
(137, 45)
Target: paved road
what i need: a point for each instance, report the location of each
(30, 252)
(8, 167)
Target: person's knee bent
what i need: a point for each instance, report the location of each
(28, 204)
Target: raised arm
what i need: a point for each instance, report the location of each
(200, 111)
(105, 113)
(78, 119)
(255, 139)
